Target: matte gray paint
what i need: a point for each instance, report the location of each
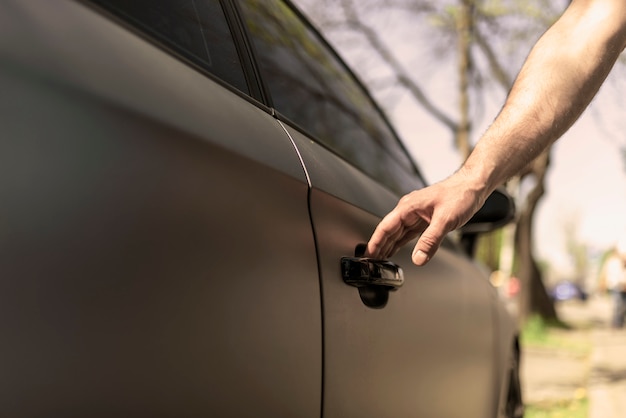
(431, 348)
(147, 268)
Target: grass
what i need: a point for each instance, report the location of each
(574, 408)
(537, 333)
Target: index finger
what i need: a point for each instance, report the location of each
(386, 233)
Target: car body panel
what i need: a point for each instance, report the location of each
(171, 247)
(401, 360)
(139, 274)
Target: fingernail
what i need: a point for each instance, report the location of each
(420, 258)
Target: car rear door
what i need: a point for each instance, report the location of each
(156, 251)
(427, 351)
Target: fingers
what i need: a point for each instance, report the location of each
(409, 235)
(383, 244)
(384, 236)
(429, 243)
(392, 233)
(430, 213)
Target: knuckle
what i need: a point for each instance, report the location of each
(405, 200)
(429, 240)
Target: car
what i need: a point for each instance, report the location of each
(567, 290)
(187, 188)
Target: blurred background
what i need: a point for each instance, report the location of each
(441, 70)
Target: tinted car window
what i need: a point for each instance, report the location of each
(196, 29)
(311, 87)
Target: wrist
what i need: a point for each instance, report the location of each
(480, 178)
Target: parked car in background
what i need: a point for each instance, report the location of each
(186, 189)
(567, 290)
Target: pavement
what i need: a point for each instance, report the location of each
(592, 364)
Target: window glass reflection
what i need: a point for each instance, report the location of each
(196, 29)
(312, 88)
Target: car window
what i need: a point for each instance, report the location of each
(196, 29)
(312, 88)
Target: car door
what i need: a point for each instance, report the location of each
(426, 349)
(156, 251)
(429, 348)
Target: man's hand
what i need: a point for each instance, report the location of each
(432, 212)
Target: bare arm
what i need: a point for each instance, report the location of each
(560, 77)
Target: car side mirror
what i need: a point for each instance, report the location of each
(497, 211)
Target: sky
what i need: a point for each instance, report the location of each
(586, 181)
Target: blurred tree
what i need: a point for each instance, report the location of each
(576, 248)
(533, 297)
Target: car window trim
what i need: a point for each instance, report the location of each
(245, 49)
(305, 20)
(255, 96)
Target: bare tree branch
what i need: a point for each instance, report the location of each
(497, 70)
(404, 79)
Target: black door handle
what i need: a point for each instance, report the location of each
(362, 271)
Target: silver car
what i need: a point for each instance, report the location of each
(186, 188)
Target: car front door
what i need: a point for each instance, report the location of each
(428, 349)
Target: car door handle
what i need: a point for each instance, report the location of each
(363, 271)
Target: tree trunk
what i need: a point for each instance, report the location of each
(533, 297)
(465, 23)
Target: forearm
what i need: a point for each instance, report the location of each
(559, 79)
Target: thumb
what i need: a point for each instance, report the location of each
(428, 244)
